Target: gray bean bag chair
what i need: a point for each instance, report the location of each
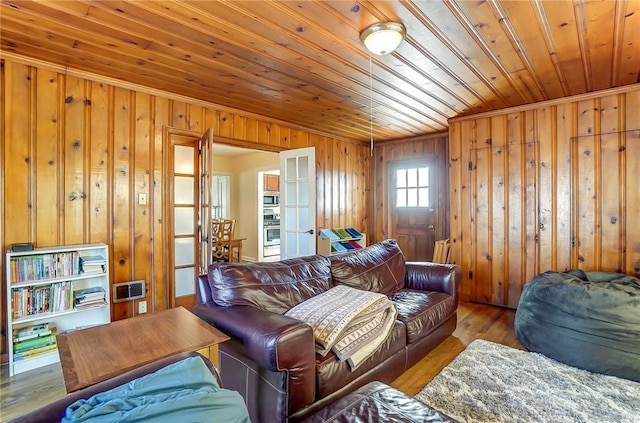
(589, 320)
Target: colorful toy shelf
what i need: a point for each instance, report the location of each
(340, 240)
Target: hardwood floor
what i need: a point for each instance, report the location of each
(30, 390)
(475, 321)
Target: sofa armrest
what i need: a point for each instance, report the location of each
(203, 291)
(272, 340)
(427, 276)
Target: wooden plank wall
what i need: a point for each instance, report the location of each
(430, 147)
(76, 152)
(550, 186)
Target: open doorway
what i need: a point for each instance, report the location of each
(269, 217)
(233, 192)
(242, 167)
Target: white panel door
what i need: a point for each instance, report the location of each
(297, 202)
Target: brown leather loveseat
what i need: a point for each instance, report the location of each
(271, 358)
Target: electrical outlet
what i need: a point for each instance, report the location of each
(142, 198)
(142, 307)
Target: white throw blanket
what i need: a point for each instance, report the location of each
(351, 322)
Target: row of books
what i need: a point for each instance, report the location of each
(340, 234)
(45, 266)
(32, 300)
(53, 298)
(34, 341)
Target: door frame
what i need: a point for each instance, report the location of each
(167, 212)
(437, 204)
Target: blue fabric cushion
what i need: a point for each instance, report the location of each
(185, 391)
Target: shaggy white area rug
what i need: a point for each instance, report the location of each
(489, 382)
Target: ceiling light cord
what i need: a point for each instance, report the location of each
(380, 38)
(370, 106)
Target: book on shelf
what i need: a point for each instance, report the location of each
(92, 264)
(40, 341)
(32, 336)
(35, 352)
(92, 304)
(95, 259)
(91, 299)
(32, 331)
(94, 270)
(94, 296)
(88, 294)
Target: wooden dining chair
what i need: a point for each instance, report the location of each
(221, 236)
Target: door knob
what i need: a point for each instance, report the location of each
(430, 227)
(310, 232)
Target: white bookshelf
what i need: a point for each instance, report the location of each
(63, 319)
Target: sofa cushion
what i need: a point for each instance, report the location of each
(333, 374)
(379, 267)
(422, 311)
(275, 286)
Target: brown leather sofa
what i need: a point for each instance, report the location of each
(271, 358)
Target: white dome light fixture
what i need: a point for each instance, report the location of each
(383, 37)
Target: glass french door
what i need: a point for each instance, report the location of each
(183, 179)
(298, 202)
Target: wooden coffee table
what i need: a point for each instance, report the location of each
(89, 356)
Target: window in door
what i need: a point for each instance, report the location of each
(412, 187)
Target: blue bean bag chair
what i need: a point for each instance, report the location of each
(589, 320)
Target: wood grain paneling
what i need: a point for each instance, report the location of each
(76, 153)
(304, 62)
(545, 187)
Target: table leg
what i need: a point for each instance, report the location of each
(211, 352)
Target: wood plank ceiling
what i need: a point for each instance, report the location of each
(302, 62)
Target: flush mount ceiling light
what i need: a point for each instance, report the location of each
(383, 37)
